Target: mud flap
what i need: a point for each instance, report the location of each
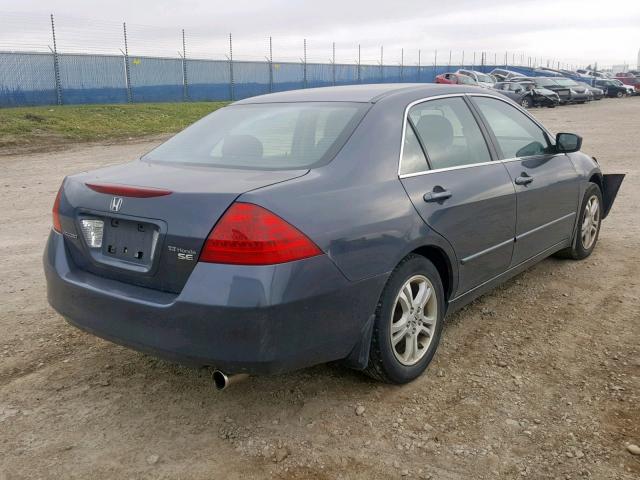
(611, 184)
(358, 359)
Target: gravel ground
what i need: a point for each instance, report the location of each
(539, 379)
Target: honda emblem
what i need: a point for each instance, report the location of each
(116, 204)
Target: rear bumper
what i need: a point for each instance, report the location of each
(266, 319)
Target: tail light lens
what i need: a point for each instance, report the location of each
(248, 234)
(55, 211)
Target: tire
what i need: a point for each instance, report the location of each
(394, 363)
(526, 102)
(620, 94)
(583, 244)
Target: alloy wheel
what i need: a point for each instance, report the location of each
(590, 222)
(413, 321)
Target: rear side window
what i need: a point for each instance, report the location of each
(449, 133)
(413, 159)
(517, 134)
(268, 136)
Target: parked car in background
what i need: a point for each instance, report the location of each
(527, 95)
(579, 93)
(592, 74)
(629, 79)
(629, 88)
(564, 93)
(612, 88)
(247, 244)
(596, 93)
(451, 78)
(483, 79)
(501, 75)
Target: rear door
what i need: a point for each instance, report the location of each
(546, 183)
(459, 191)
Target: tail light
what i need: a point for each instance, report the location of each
(248, 234)
(55, 211)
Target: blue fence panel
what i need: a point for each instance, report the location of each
(371, 73)
(156, 79)
(208, 80)
(92, 79)
(319, 75)
(250, 79)
(27, 79)
(287, 76)
(391, 73)
(346, 74)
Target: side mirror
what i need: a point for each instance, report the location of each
(568, 142)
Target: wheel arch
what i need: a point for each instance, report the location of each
(596, 178)
(442, 262)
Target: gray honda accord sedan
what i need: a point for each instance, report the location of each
(309, 226)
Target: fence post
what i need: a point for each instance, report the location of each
(304, 64)
(381, 63)
(270, 64)
(462, 63)
(449, 67)
(473, 66)
(435, 65)
(127, 67)
(333, 64)
(231, 80)
(419, 66)
(401, 64)
(185, 82)
(359, 74)
(56, 64)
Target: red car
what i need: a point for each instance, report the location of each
(455, 78)
(629, 79)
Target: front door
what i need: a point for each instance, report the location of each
(457, 188)
(546, 183)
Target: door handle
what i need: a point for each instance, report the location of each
(436, 195)
(523, 179)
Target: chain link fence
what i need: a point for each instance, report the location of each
(69, 74)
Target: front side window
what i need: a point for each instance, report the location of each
(267, 136)
(517, 134)
(449, 133)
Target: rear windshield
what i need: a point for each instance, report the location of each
(267, 136)
(566, 82)
(544, 82)
(484, 78)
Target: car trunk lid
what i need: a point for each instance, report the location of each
(154, 217)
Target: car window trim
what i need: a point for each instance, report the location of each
(481, 125)
(422, 146)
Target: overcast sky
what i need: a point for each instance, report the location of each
(572, 32)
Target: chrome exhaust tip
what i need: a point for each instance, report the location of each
(222, 381)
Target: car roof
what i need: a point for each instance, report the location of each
(365, 93)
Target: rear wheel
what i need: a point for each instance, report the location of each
(620, 94)
(588, 229)
(408, 322)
